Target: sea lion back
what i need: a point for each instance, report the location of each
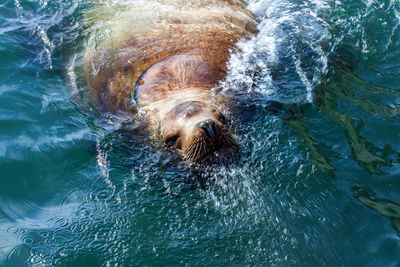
(127, 38)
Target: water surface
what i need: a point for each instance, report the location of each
(78, 188)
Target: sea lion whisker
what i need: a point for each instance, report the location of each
(187, 155)
(230, 140)
(193, 146)
(192, 149)
(196, 155)
(190, 152)
(197, 151)
(203, 150)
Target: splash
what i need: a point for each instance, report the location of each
(290, 36)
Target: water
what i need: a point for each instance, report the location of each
(82, 189)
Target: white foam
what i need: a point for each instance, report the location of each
(71, 75)
(283, 26)
(49, 46)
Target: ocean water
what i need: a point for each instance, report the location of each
(79, 188)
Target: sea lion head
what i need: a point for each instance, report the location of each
(199, 130)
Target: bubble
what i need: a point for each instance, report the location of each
(44, 234)
(103, 195)
(27, 240)
(13, 230)
(50, 241)
(61, 222)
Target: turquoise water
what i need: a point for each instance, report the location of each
(82, 189)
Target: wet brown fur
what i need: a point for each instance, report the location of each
(201, 49)
(167, 65)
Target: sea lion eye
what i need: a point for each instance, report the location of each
(222, 119)
(171, 141)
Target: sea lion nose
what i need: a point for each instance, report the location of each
(209, 128)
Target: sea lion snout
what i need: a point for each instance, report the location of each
(199, 131)
(209, 129)
(210, 142)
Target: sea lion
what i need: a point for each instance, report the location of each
(165, 57)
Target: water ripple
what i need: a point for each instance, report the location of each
(77, 189)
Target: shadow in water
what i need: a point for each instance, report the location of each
(389, 209)
(347, 101)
